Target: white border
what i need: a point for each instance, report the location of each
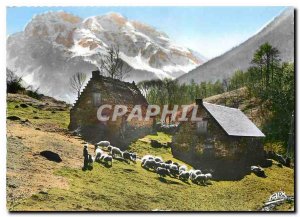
(5, 3)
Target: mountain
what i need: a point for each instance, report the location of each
(279, 33)
(56, 45)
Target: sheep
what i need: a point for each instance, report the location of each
(146, 157)
(103, 143)
(201, 178)
(192, 175)
(184, 176)
(158, 159)
(169, 162)
(133, 156)
(183, 168)
(106, 159)
(114, 151)
(257, 170)
(208, 177)
(149, 164)
(98, 153)
(174, 170)
(197, 172)
(162, 172)
(129, 156)
(163, 165)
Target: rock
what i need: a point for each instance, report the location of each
(23, 105)
(12, 186)
(25, 121)
(13, 118)
(51, 156)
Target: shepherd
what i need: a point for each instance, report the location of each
(86, 157)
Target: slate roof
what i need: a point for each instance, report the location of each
(233, 121)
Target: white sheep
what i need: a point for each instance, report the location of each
(184, 175)
(149, 164)
(98, 153)
(201, 178)
(103, 143)
(158, 159)
(106, 159)
(183, 168)
(114, 151)
(146, 157)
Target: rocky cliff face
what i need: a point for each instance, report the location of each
(55, 45)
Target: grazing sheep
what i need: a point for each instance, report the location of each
(280, 159)
(192, 176)
(201, 178)
(169, 162)
(184, 175)
(149, 164)
(129, 156)
(197, 172)
(162, 172)
(183, 168)
(146, 157)
(133, 156)
(158, 159)
(103, 143)
(163, 165)
(106, 159)
(174, 170)
(98, 153)
(257, 170)
(177, 164)
(208, 177)
(114, 151)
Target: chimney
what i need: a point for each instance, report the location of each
(199, 101)
(95, 73)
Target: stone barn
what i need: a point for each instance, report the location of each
(224, 142)
(101, 90)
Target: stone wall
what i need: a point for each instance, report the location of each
(231, 156)
(83, 115)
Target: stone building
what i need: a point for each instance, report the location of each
(101, 90)
(224, 141)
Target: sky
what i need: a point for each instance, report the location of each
(210, 31)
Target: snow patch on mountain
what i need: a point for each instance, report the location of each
(56, 45)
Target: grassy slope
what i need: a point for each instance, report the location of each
(38, 117)
(129, 187)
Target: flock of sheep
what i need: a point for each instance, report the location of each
(149, 162)
(107, 159)
(174, 170)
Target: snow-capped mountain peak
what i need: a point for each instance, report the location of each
(59, 43)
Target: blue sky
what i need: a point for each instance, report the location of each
(209, 30)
